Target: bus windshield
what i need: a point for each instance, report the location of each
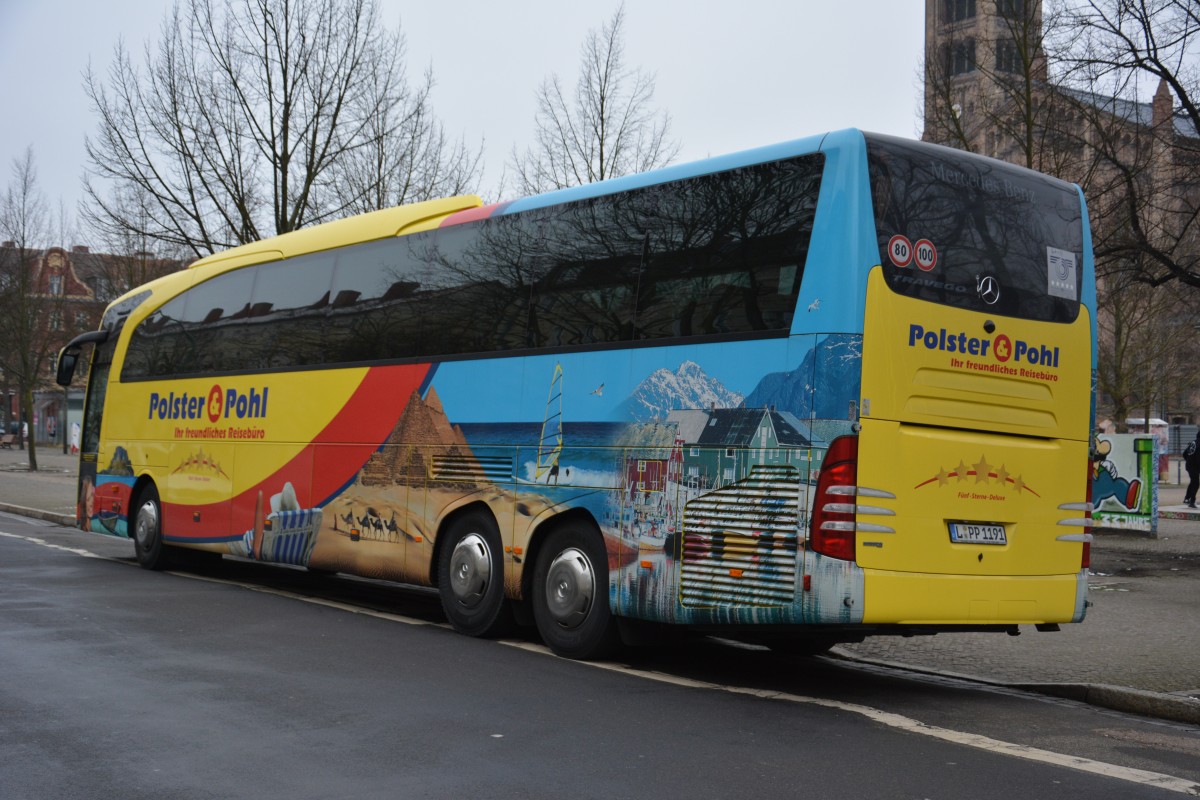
(974, 232)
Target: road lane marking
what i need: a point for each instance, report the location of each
(40, 523)
(900, 722)
(76, 550)
(896, 721)
(317, 601)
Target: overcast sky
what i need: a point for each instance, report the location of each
(732, 75)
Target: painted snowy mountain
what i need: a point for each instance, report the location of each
(834, 366)
(665, 391)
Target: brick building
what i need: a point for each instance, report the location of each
(67, 292)
(987, 89)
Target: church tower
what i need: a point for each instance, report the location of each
(981, 57)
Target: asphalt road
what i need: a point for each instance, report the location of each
(251, 681)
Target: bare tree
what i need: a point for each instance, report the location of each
(1147, 355)
(1159, 38)
(1143, 190)
(988, 91)
(245, 118)
(608, 128)
(131, 257)
(26, 340)
(950, 94)
(406, 156)
(1149, 174)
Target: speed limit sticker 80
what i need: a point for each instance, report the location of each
(900, 250)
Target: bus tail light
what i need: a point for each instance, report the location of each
(833, 532)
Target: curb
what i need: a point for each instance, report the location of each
(1119, 698)
(1184, 515)
(67, 521)
(1157, 705)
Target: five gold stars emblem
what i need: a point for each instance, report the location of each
(983, 473)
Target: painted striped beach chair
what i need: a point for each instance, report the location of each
(289, 536)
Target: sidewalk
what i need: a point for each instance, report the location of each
(1138, 650)
(47, 494)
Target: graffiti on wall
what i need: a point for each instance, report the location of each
(1124, 488)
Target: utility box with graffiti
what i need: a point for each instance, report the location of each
(1124, 482)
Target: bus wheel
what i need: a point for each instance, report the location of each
(570, 594)
(471, 577)
(147, 530)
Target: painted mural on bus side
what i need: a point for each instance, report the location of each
(669, 462)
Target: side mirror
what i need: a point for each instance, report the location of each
(67, 360)
(68, 357)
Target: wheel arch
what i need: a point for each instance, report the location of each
(541, 533)
(135, 496)
(444, 525)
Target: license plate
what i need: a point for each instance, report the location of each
(975, 533)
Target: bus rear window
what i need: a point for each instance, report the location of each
(977, 233)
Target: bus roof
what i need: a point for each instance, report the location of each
(359, 228)
(743, 158)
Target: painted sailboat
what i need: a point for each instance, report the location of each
(551, 442)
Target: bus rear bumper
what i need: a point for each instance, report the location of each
(907, 598)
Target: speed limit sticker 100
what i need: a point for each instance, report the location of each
(925, 254)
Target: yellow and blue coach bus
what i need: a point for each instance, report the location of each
(803, 394)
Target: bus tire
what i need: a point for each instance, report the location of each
(570, 594)
(147, 530)
(471, 577)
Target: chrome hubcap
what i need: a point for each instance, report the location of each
(470, 570)
(570, 588)
(146, 527)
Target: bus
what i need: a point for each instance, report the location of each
(798, 395)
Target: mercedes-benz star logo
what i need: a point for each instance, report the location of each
(989, 290)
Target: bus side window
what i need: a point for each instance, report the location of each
(728, 251)
(585, 258)
(296, 292)
(214, 323)
(161, 345)
(480, 303)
